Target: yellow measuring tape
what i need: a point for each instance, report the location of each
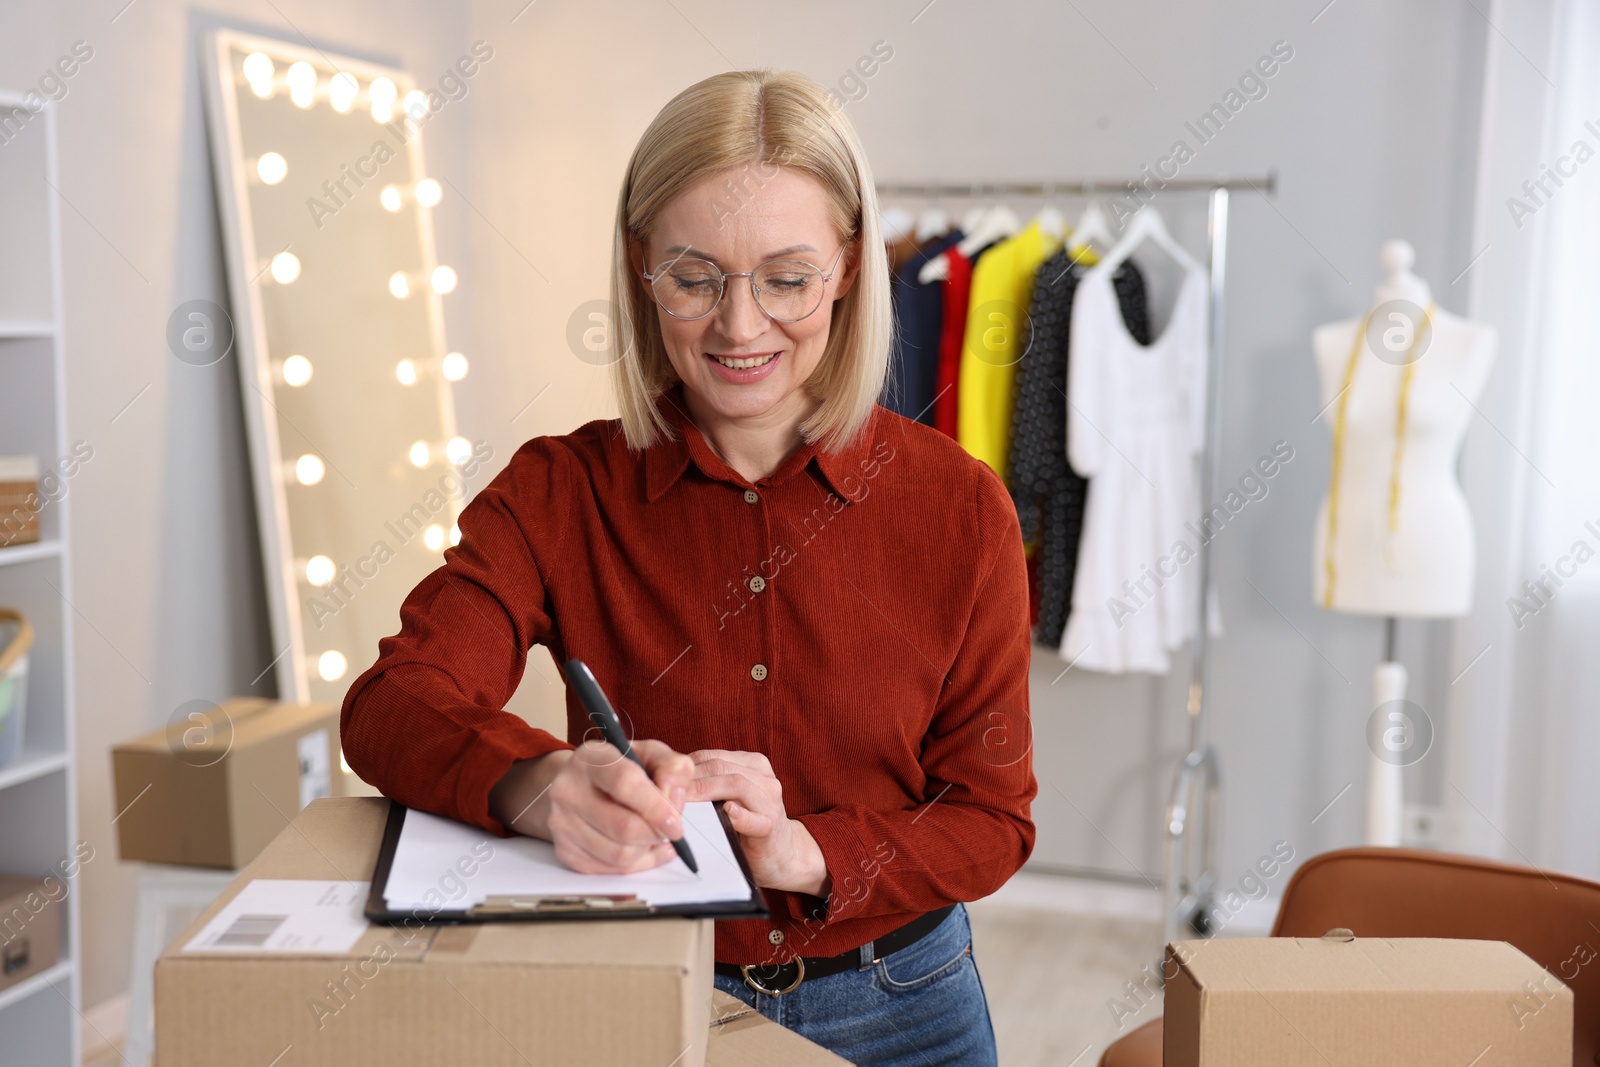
(1406, 373)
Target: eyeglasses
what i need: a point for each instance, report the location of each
(787, 290)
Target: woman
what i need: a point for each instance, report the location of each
(802, 604)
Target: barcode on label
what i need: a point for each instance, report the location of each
(250, 930)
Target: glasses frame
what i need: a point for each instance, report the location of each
(755, 293)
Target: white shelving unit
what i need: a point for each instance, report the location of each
(39, 1021)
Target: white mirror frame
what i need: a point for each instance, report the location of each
(296, 622)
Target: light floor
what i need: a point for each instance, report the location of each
(1052, 953)
(1050, 975)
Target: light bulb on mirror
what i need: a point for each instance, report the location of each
(419, 454)
(415, 104)
(285, 267)
(433, 537)
(296, 371)
(399, 285)
(319, 571)
(406, 372)
(390, 198)
(381, 95)
(453, 366)
(271, 168)
(309, 469)
(258, 71)
(342, 92)
(458, 450)
(428, 192)
(444, 280)
(331, 666)
(455, 533)
(302, 79)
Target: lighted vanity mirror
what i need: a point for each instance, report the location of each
(339, 328)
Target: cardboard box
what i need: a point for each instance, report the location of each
(218, 783)
(30, 927)
(601, 994)
(1293, 1001)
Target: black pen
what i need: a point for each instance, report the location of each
(603, 716)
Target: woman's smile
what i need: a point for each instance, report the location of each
(740, 367)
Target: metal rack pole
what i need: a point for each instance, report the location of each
(1188, 884)
(1264, 184)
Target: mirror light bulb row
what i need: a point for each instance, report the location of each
(441, 279)
(309, 468)
(452, 367)
(427, 193)
(296, 370)
(342, 90)
(457, 451)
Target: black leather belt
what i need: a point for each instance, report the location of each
(776, 979)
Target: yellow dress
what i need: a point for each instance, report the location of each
(1002, 286)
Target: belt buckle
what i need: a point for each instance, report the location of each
(800, 965)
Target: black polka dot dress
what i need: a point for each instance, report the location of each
(1048, 493)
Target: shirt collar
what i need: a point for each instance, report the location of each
(667, 459)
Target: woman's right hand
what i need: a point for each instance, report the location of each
(601, 811)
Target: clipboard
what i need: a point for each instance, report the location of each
(534, 906)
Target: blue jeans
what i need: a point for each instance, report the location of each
(922, 1006)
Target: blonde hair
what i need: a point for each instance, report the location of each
(760, 119)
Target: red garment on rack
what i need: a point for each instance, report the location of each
(957, 290)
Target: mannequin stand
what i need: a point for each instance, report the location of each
(1385, 790)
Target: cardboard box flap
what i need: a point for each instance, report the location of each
(1363, 964)
(240, 715)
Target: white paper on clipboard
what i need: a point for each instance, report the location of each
(434, 856)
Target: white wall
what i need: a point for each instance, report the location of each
(1370, 127)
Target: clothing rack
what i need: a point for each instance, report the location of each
(1189, 874)
(1267, 183)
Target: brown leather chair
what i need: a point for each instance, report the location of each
(1401, 892)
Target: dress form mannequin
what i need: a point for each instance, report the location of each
(1393, 536)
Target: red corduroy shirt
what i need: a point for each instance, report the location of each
(881, 664)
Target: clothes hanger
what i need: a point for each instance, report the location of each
(931, 223)
(997, 222)
(896, 223)
(1091, 232)
(1000, 222)
(1051, 221)
(936, 269)
(1148, 225)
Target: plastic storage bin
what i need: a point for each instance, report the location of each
(16, 636)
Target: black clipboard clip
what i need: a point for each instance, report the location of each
(607, 903)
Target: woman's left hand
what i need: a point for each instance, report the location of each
(781, 851)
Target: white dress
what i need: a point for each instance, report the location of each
(1136, 429)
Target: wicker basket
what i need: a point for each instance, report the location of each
(19, 500)
(16, 637)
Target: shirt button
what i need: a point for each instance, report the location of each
(757, 583)
(751, 496)
(775, 936)
(759, 672)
